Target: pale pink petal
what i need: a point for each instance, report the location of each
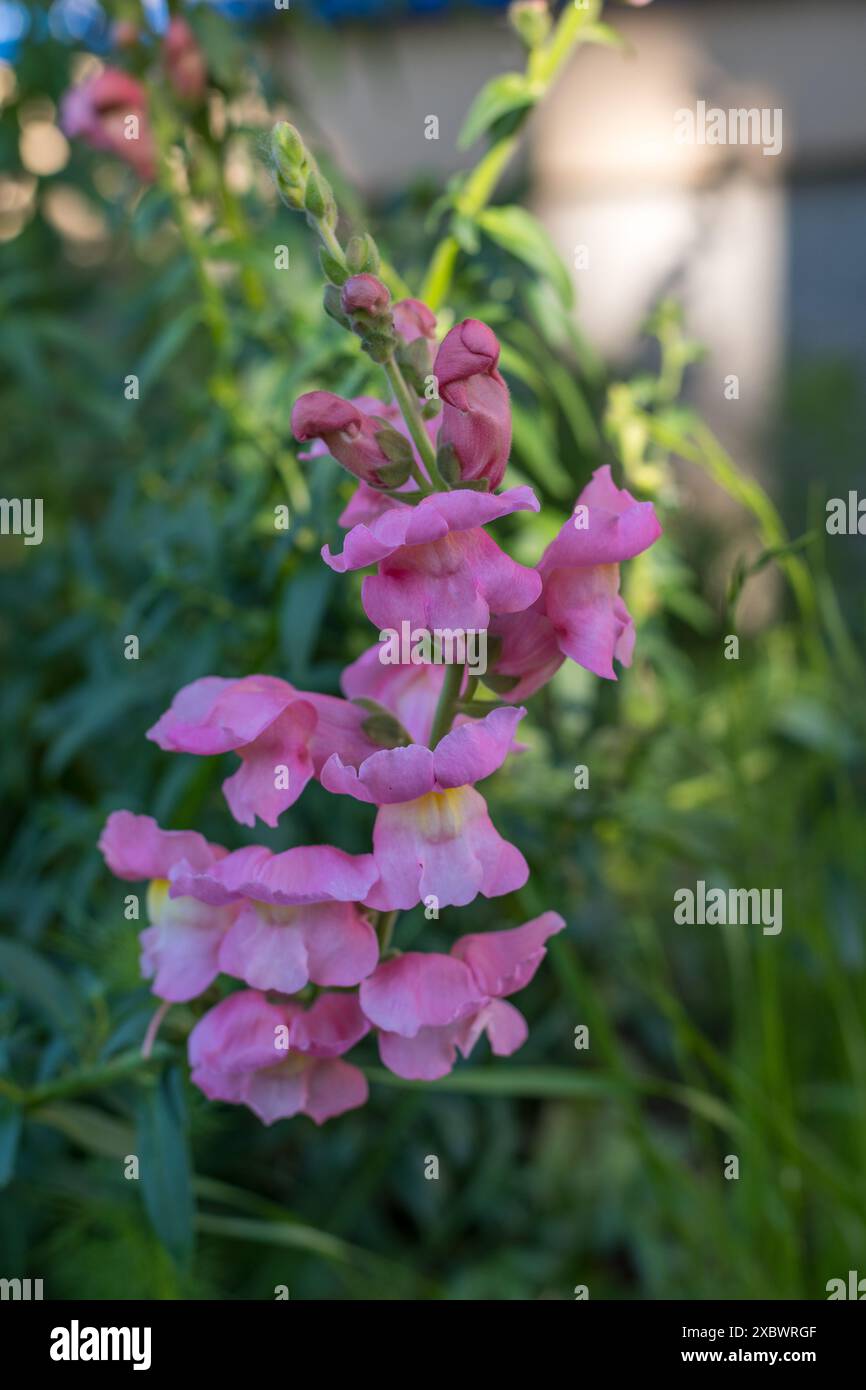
(134, 847)
(239, 1034)
(476, 749)
(418, 990)
(341, 944)
(442, 845)
(503, 962)
(180, 948)
(213, 715)
(330, 1027)
(582, 605)
(504, 1025)
(277, 1093)
(426, 1057)
(390, 775)
(305, 874)
(266, 955)
(333, 1087)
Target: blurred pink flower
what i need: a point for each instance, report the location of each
(110, 112)
(184, 62)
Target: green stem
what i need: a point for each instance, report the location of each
(446, 708)
(544, 64)
(75, 1083)
(385, 929)
(415, 424)
(214, 309)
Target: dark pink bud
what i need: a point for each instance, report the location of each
(184, 61)
(347, 433)
(412, 319)
(365, 294)
(476, 416)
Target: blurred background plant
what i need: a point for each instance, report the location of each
(561, 1167)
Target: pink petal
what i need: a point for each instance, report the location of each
(264, 954)
(334, 1087)
(473, 751)
(503, 962)
(238, 1034)
(418, 990)
(277, 1093)
(134, 847)
(305, 874)
(330, 1027)
(252, 790)
(213, 715)
(504, 1025)
(429, 1055)
(443, 845)
(430, 520)
(584, 607)
(180, 948)
(389, 776)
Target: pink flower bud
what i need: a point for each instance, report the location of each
(365, 294)
(98, 112)
(184, 62)
(412, 319)
(476, 418)
(347, 432)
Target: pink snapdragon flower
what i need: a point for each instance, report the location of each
(96, 112)
(476, 415)
(271, 726)
(184, 62)
(413, 319)
(580, 613)
(181, 946)
(409, 691)
(433, 835)
(427, 1007)
(436, 566)
(296, 916)
(279, 1059)
(347, 432)
(443, 846)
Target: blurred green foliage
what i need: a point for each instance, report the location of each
(559, 1167)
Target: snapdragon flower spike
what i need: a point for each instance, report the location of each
(427, 1007)
(181, 945)
(436, 567)
(476, 414)
(97, 112)
(271, 726)
(296, 915)
(279, 1059)
(580, 613)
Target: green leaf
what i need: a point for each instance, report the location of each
(10, 1133)
(39, 984)
(603, 34)
(522, 235)
(164, 1162)
(503, 94)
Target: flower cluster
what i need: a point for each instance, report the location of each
(308, 931)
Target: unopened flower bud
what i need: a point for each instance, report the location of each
(531, 20)
(367, 295)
